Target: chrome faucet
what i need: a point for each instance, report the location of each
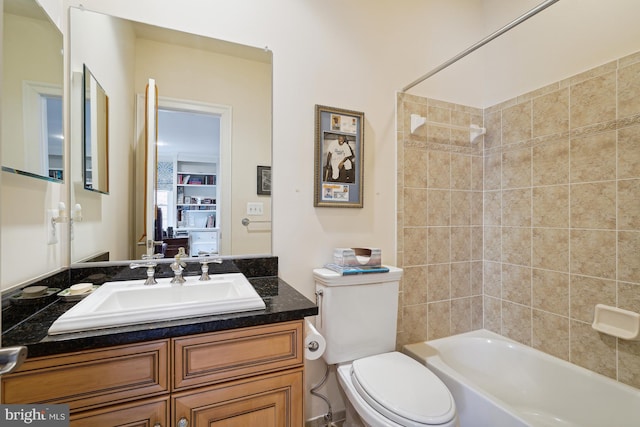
(178, 266)
(151, 271)
(205, 264)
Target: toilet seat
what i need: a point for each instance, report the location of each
(403, 390)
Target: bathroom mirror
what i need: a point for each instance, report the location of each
(189, 70)
(32, 86)
(95, 114)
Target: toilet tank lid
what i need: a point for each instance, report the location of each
(331, 278)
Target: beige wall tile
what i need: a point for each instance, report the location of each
(439, 207)
(493, 314)
(415, 168)
(586, 292)
(460, 208)
(415, 323)
(593, 253)
(439, 246)
(477, 173)
(460, 172)
(629, 90)
(551, 206)
(460, 244)
(516, 168)
(438, 279)
(460, 279)
(516, 245)
(476, 278)
(493, 124)
(516, 123)
(493, 243)
(629, 204)
(477, 201)
(415, 207)
(493, 279)
(414, 285)
(593, 100)
(439, 320)
(493, 172)
(551, 249)
(516, 284)
(477, 312)
(492, 208)
(516, 322)
(461, 315)
(550, 333)
(629, 362)
(593, 157)
(550, 162)
(476, 243)
(438, 134)
(551, 113)
(593, 205)
(550, 291)
(439, 169)
(629, 296)
(516, 207)
(629, 256)
(629, 152)
(415, 246)
(593, 350)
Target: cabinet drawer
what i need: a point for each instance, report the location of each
(91, 378)
(220, 356)
(145, 413)
(274, 400)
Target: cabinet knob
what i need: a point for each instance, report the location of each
(157, 425)
(183, 422)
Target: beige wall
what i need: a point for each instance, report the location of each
(561, 196)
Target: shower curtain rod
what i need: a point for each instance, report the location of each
(542, 6)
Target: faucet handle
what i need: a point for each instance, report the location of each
(151, 270)
(181, 254)
(152, 256)
(204, 262)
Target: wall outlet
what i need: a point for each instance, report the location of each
(51, 227)
(255, 208)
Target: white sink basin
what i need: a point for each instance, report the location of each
(132, 302)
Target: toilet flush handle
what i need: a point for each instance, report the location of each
(319, 295)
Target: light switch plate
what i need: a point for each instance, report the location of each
(255, 208)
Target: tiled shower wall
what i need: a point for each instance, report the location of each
(560, 223)
(439, 220)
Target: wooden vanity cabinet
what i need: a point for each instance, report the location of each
(242, 377)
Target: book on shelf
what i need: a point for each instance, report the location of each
(362, 269)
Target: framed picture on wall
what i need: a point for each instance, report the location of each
(264, 180)
(339, 144)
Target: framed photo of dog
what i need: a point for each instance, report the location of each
(339, 136)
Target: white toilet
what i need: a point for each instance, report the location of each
(357, 317)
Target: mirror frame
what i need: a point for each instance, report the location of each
(95, 134)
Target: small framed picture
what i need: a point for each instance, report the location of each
(339, 148)
(264, 180)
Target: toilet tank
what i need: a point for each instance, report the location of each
(357, 314)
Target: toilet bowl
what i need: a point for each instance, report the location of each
(357, 317)
(393, 390)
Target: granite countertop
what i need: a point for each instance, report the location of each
(283, 303)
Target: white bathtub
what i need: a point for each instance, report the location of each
(497, 382)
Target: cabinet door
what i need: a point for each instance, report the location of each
(274, 400)
(146, 413)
